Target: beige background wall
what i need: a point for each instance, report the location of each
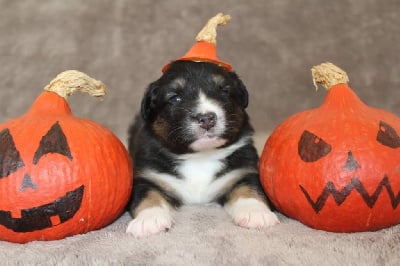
(271, 44)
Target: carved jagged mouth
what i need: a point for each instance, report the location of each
(354, 184)
(45, 216)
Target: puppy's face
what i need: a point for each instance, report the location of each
(195, 106)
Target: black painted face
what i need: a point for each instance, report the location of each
(192, 93)
(312, 148)
(49, 214)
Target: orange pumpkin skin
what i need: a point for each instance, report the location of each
(60, 186)
(336, 167)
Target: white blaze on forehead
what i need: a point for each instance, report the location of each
(206, 105)
(210, 139)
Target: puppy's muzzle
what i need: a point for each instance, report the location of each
(207, 120)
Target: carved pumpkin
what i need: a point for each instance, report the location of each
(335, 167)
(60, 175)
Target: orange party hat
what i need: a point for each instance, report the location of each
(204, 50)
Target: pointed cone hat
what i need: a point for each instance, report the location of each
(205, 50)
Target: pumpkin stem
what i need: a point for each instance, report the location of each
(209, 32)
(67, 82)
(328, 75)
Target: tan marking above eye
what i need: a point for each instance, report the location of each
(218, 79)
(178, 83)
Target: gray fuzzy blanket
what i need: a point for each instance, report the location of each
(205, 235)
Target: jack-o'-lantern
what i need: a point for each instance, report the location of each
(335, 167)
(60, 175)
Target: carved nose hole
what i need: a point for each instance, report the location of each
(207, 120)
(351, 163)
(27, 182)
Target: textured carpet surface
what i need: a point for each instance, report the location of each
(271, 44)
(205, 235)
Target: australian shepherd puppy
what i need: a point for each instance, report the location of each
(192, 144)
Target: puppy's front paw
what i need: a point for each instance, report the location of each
(150, 221)
(251, 213)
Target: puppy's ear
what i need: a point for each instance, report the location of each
(149, 102)
(242, 93)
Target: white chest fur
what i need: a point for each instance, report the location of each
(197, 182)
(198, 176)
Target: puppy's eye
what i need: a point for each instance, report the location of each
(225, 88)
(175, 99)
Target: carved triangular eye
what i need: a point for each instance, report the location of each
(388, 136)
(10, 159)
(53, 142)
(311, 147)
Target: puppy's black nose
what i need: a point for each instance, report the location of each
(207, 120)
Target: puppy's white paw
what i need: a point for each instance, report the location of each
(251, 213)
(151, 221)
